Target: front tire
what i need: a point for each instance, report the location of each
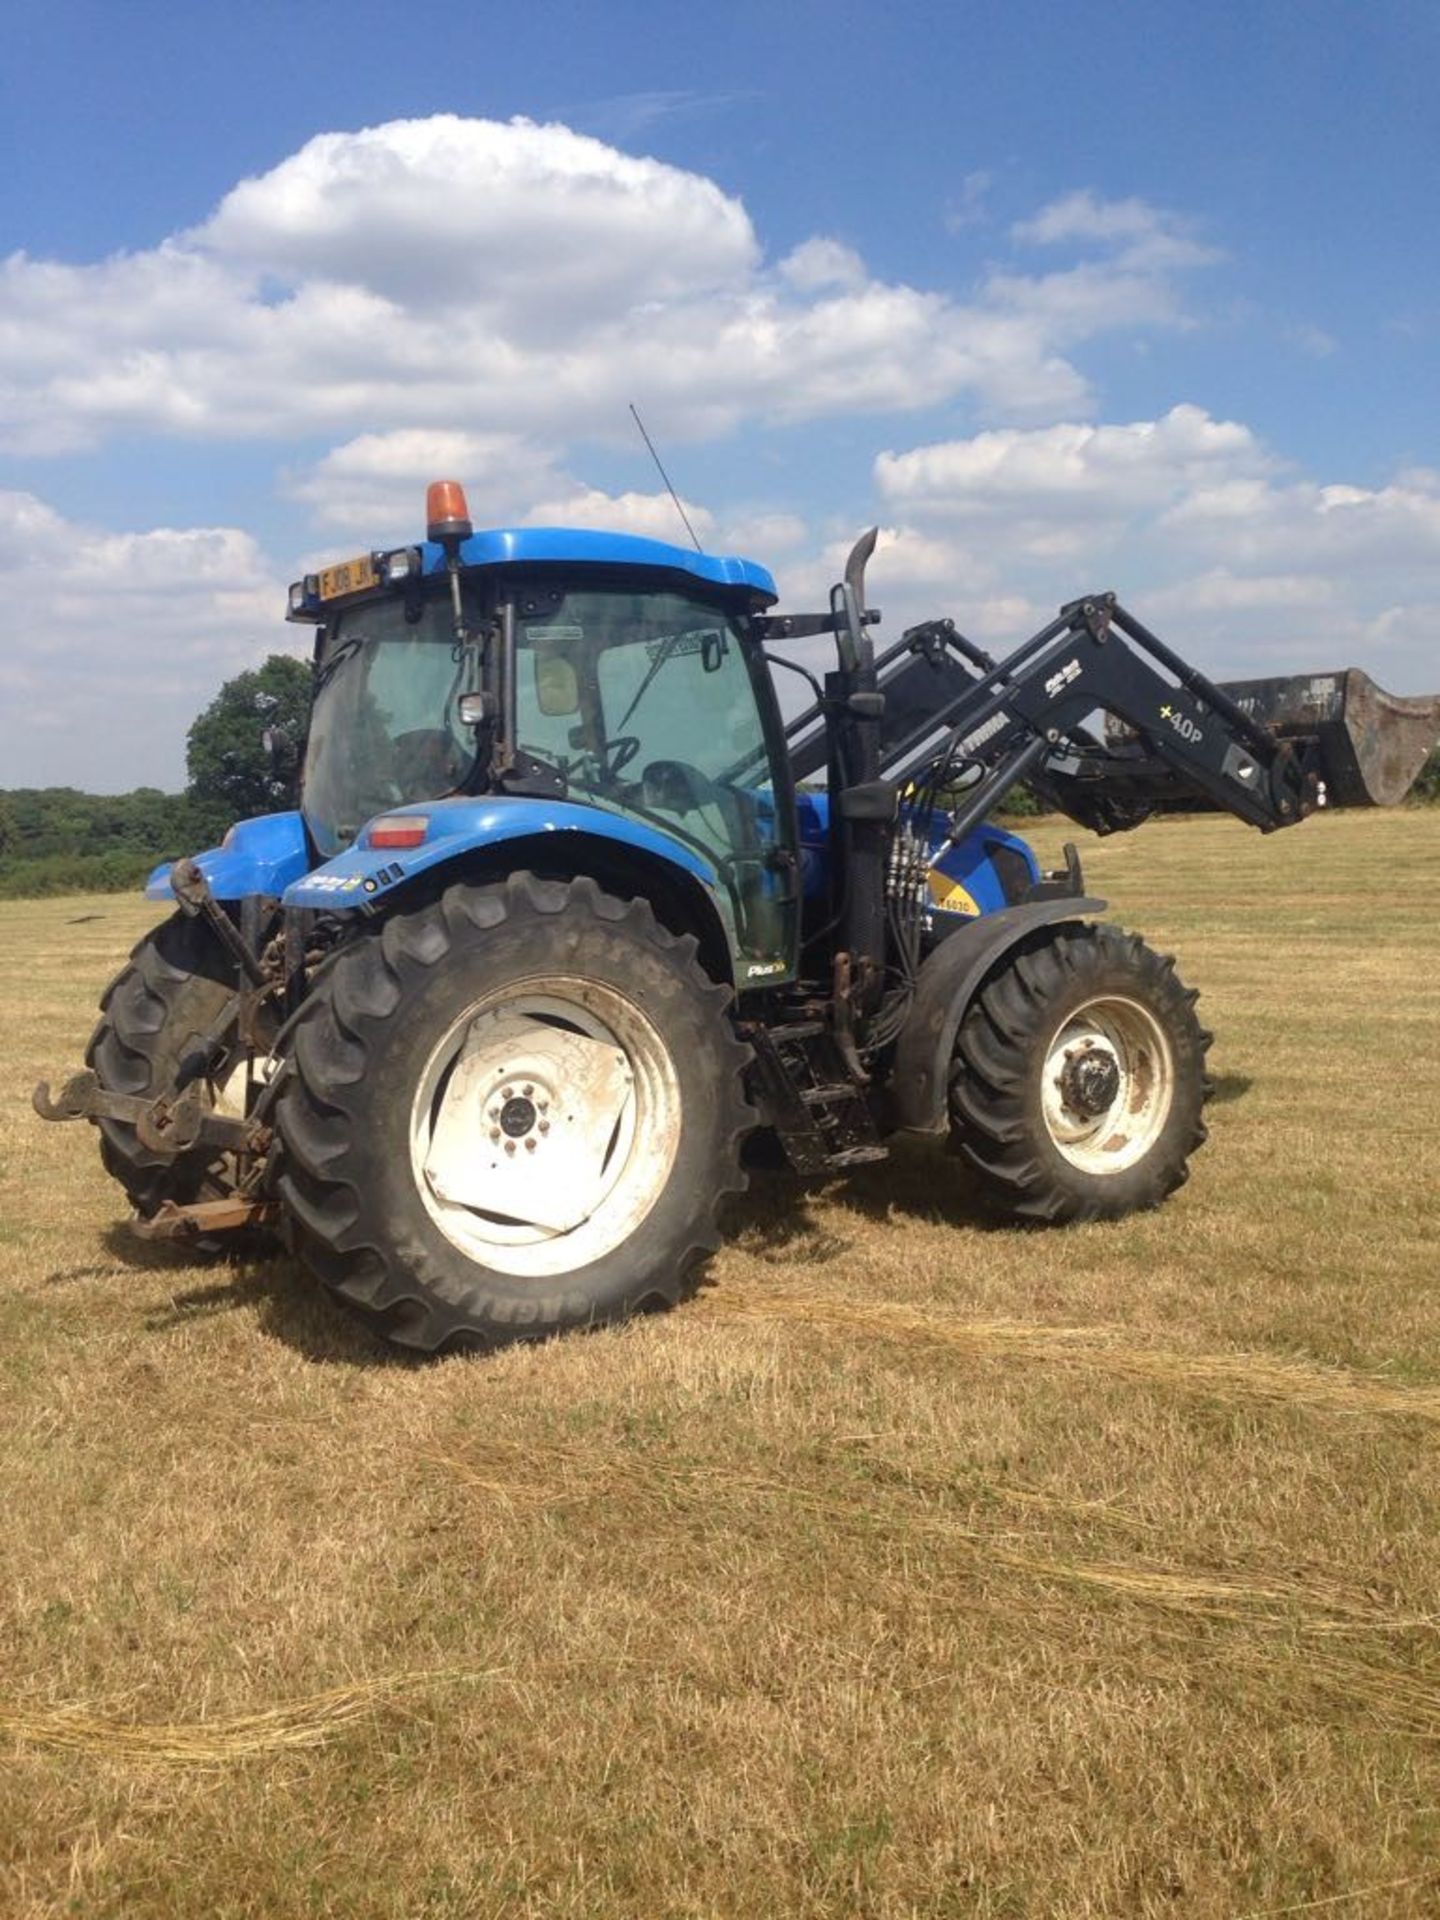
(1078, 1078)
(511, 1112)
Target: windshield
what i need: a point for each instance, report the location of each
(385, 730)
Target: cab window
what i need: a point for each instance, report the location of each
(645, 704)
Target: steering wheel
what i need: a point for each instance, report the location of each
(674, 786)
(619, 752)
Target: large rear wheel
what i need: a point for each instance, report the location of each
(512, 1112)
(1078, 1078)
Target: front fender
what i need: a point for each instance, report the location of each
(948, 982)
(263, 855)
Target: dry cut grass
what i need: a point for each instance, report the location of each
(917, 1568)
(300, 1723)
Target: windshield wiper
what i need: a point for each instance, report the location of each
(352, 644)
(662, 654)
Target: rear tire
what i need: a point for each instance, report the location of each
(511, 1112)
(1078, 1078)
(153, 1017)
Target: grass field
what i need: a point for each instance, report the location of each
(915, 1569)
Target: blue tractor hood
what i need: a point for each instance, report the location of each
(263, 855)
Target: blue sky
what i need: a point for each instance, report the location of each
(1064, 297)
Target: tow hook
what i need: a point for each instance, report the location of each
(167, 1125)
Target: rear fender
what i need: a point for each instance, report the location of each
(484, 839)
(949, 980)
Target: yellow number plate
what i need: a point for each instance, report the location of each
(351, 576)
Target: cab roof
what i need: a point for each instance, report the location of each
(584, 546)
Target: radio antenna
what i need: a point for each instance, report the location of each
(666, 478)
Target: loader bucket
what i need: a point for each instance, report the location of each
(1371, 744)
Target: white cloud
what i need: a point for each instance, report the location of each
(1070, 467)
(1145, 249)
(372, 488)
(967, 208)
(1313, 341)
(1199, 527)
(522, 219)
(1136, 230)
(521, 279)
(820, 263)
(652, 515)
(1360, 530)
(765, 532)
(112, 642)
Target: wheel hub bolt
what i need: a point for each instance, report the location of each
(544, 1126)
(530, 1143)
(1090, 1083)
(509, 1146)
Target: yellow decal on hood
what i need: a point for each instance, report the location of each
(949, 896)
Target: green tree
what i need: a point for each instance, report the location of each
(232, 775)
(9, 828)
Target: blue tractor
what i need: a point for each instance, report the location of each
(571, 908)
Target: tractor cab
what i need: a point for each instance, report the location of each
(571, 669)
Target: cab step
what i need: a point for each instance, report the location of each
(820, 1113)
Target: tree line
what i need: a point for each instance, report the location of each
(60, 840)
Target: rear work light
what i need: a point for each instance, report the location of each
(398, 830)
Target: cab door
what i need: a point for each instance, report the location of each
(651, 704)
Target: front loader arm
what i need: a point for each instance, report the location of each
(1173, 739)
(1188, 741)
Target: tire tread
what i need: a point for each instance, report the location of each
(323, 1113)
(992, 1123)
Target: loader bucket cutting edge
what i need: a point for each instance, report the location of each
(1372, 744)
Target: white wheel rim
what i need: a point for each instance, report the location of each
(1108, 1085)
(545, 1126)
